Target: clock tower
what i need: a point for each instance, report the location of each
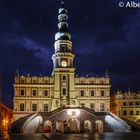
(63, 71)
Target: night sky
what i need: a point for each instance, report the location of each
(104, 36)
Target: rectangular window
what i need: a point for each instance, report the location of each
(45, 107)
(45, 93)
(22, 93)
(82, 93)
(22, 107)
(137, 103)
(82, 104)
(22, 81)
(124, 112)
(131, 112)
(92, 106)
(34, 107)
(34, 93)
(64, 77)
(64, 91)
(34, 81)
(124, 103)
(102, 107)
(102, 93)
(92, 93)
(137, 112)
(130, 103)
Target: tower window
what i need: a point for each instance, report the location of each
(34, 107)
(102, 93)
(22, 93)
(45, 93)
(64, 91)
(82, 93)
(22, 107)
(45, 107)
(92, 93)
(64, 77)
(34, 93)
(64, 48)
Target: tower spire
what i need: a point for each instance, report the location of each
(63, 33)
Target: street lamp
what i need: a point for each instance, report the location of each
(5, 124)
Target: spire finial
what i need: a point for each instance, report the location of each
(129, 91)
(17, 72)
(118, 91)
(106, 73)
(62, 3)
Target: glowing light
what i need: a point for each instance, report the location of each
(73, 112)
(5, 121)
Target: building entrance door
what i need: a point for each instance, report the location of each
(73, 126)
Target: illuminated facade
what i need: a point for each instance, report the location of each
(6, 117)
(63, 88)
(126, 105)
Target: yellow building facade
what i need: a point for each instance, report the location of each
(63, 88)
(126, 105)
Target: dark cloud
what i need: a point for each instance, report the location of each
(104, 37)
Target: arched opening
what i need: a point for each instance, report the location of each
(74, 125)
(99, 126)
(60, 127)
(87, 126)
(47, 126)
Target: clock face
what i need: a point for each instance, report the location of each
(64, 64)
